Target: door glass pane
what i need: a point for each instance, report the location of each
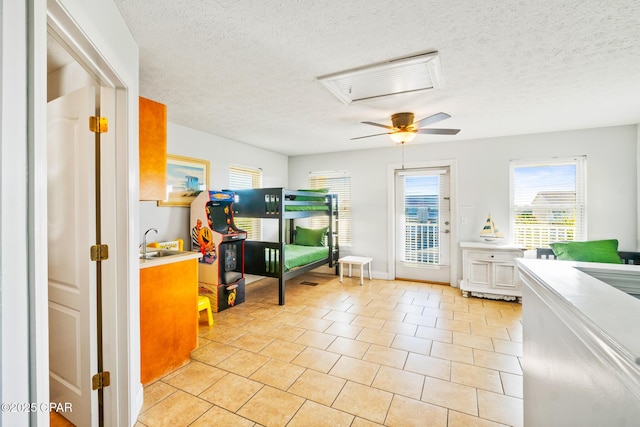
(421, 213)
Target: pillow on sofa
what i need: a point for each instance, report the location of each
(590, 251)
(312, 198)
(310, 236)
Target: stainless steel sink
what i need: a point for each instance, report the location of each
(160, 254)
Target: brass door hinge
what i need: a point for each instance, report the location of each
(101, 380)
(98, 124)
(99, 252)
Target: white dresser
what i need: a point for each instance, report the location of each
(490, 271)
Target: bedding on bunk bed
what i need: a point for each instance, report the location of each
(322, 207)
(298, 255)
(294, 256)
(308, 247)
(291, 208)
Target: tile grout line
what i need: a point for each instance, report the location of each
(372, 315)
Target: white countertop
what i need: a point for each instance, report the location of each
(610, 310)
(183, 256)
(489, 245)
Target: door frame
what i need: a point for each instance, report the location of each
(391, 211)
(123, 398)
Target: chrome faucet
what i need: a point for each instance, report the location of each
(144, 242)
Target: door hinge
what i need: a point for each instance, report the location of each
(99, 252)
(101, 380)
(98, 124)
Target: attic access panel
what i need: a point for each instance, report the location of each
(398, 76)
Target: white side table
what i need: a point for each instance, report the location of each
(357, 260)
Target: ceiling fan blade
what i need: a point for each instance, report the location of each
(439, 131)
(431, 119)
(368, 136)
(379, 125)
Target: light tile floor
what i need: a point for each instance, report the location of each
(392, 353)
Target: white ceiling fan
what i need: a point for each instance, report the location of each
(404, 128)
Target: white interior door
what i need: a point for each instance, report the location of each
(72, 275)
(423, 224)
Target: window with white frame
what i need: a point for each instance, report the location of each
(241, 178)
(548, 201)
(338, 183)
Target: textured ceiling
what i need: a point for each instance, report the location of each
(246, 70)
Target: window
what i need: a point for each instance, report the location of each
(548, 201)
(340, 184)
(422, 205)
(240, 178)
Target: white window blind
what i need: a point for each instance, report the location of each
(338, 183)
(548, 201)
(241, 178)
(425, 200)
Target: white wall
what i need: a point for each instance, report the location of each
(173, 222)
(14, 213)
(638, 184)
(483, 182)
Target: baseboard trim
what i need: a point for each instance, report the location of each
(422, 281)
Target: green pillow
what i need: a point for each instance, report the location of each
(310, 236)
(590, 251)
(311, 198)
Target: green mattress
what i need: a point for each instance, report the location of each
(306, 208)
(296, 255)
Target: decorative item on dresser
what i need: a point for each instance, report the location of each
(490, 232)
(489, 271)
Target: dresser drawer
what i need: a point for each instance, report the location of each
(491, 256)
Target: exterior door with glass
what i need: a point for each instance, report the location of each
(423, 224)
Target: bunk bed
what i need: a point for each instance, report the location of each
(283, 259)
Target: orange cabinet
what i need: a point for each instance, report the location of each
(152, 128)
(168, 317)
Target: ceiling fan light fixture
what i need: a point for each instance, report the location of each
(404, 128)
(403, 136)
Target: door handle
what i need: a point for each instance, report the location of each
(446, 231)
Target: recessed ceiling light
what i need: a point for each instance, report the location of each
(399, 76)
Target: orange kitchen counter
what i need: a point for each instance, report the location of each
(168, 314)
